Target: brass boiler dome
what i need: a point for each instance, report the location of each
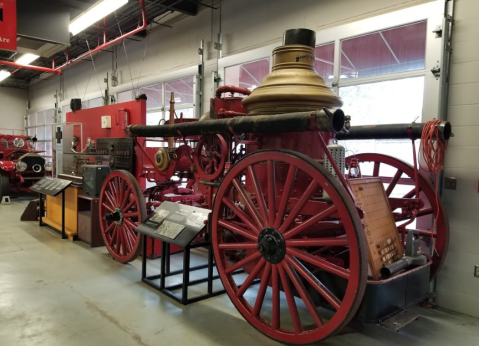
(293, 85)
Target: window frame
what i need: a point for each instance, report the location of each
(432, 12)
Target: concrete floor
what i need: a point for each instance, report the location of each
(54, 292)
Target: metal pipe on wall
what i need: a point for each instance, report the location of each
(58, 69)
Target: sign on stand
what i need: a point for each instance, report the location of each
(50, 186)
(175, 223)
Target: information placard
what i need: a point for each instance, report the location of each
(50, 186)
(175, 223)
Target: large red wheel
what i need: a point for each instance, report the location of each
(269, 212)
(399, 182)
(122, 208)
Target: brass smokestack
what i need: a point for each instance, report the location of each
(293, 85)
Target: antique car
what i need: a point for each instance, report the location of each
(20, 164)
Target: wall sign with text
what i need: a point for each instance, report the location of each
(8, 24)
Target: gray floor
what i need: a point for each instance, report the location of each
(54, 292)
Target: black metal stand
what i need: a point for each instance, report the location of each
(165, 272)
(42, 210)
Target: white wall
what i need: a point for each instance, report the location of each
(13, 105)
(458, 289)
(245, 25)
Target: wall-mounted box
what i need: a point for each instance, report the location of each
(106, 122)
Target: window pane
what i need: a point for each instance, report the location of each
(40, 118)
(126, 96)
(31, 132)
(154, 94)
(48, 132)
(48, 149)
(387, 51)
(40, 132)
(247, 75)
(324, 61)
(32, 119)
(97, 102)
(183, 89)
(50, 116)
(40, 146)
(367, 103)
(153, 118)
(188, 113)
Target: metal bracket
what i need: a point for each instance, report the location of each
(436, 71)
(438, 31)
(218, 46)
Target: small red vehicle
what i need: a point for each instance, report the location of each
(20, 164)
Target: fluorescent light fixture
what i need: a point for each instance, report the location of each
(4, 75)
(27, 59)
(98, 11)
(177, 99)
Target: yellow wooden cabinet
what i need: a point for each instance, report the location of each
(53, 209)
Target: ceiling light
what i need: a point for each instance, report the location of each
(27, 59)
(4, 75)
(98, 11)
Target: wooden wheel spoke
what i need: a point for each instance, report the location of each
(107, 207)
(128, 207)
(320, 263)
(237, 246)
(303, 293)
(313, 242)
(131, 214)
(275, 297)
(242, 263)
(248, 203)
(410, 194)
(130, 223)
(110, 227)
(128, 239)
(262, 290)
(126, 198)
(297, 208)
(424, 212)
(393, 182)
(293, 309)
(109, 198)
(310, 222)
(113, 191)
(241, 214)
(288, 186)
(376, 169)
(314, 282)
(249, 280)
(121, 190)
(236, 228)
(270, 166)
(259, 195)
(113, 235)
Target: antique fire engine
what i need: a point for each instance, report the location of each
(313, 230)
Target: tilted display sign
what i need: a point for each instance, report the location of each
(8, 25)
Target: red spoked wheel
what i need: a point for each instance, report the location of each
(399, 183)
(300, 253)
(122, 208)
(210, 156)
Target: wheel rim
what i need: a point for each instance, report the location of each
(294, 268)
(210, 156)
(395, 178)
(122, 208)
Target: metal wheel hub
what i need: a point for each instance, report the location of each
(116, 216)
(271, 245)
